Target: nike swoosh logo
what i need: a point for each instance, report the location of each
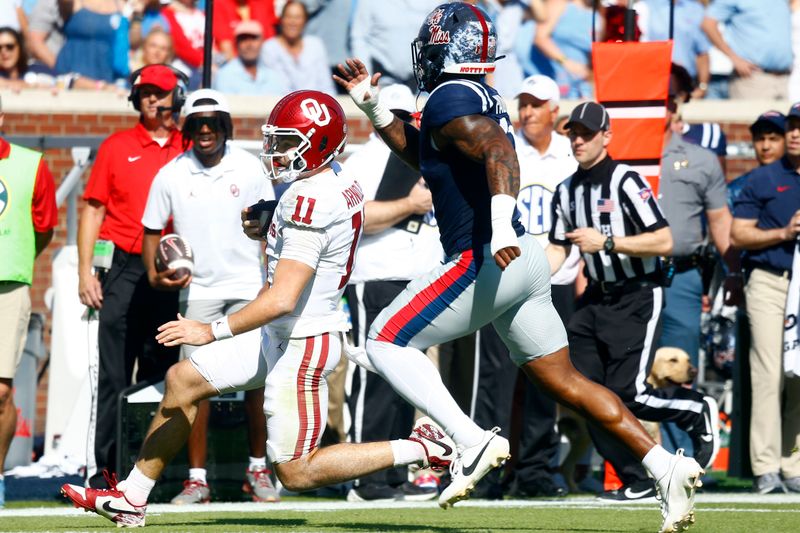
(706, 438)
(783, 188)
(131, 159)
(107, 507)
(467, 470)
(633, 495)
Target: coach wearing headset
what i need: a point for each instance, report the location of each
(130, 309)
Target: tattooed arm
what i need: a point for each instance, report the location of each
(482, 140)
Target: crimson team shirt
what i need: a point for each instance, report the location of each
(43, 205)
(125, 166)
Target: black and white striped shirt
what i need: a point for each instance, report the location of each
(616, 201)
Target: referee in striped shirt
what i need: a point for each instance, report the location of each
(609, 211)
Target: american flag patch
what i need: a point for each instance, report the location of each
(604, 205)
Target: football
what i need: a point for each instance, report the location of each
(174, 252)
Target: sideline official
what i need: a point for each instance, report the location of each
(609, 211)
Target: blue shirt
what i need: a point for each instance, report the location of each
(689, 40)
(232, 78)
(757, 30)
(771, 195)
(461, 197)
(735, 188)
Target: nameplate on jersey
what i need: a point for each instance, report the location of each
(397, 181)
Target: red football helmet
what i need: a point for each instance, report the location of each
(305, 131)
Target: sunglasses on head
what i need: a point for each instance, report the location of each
(8, 46)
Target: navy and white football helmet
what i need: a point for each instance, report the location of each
(456, 38)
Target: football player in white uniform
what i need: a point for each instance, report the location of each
(311, 244)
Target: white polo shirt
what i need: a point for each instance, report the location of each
(205, 204)
(539, 176)
(392, 254)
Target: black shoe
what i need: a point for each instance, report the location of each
(633, 492)
(487, 489)
(705, 433)
(414, 493)
(542, 487)
(373, 493)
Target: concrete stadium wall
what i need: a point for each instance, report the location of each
(42, 113)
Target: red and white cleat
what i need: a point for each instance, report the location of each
(440, 450)
(108, 503)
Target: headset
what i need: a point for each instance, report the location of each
(178, 94)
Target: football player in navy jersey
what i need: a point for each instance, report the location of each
(495, 272)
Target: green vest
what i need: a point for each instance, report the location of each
(17, 240)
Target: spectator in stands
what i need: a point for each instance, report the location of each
(690, 44)
(566, 39)
(769, 142)
(145, 17)
(157, 48)
(91, 28)
(187, 27)
(229, 13)
(509, 17)
(396, 229)
(209, 185)
(300, 59)
(26, 228)
(330, 21)
(46, 32)
(130, 310)
(766, 225)
(244, 74)
(13, 59)
(794, 78)
(380, 33)
(758, 43)
(13, 16)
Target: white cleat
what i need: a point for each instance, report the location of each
(676, 490)
(108, 503)
(472, 464)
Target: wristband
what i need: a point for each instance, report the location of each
(365, 96)
(503, 234)
(220, 329)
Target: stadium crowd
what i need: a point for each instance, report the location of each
(733, 243)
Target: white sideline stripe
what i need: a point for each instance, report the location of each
(587, 502)
(637, 112)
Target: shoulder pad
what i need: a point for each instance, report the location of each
(457, 98)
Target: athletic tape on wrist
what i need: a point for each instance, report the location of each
(221, 329)
(366, 98)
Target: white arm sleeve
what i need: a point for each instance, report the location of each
(303, 244)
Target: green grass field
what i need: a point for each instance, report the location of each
(722, 513)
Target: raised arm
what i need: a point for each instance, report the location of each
(402, 138)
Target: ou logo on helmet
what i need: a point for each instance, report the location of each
(316, 112)
(533, 203)
(3, 197)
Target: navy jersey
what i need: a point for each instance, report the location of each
(461, 197)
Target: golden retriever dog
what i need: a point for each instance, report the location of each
(671, 367)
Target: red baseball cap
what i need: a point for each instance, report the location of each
(159, 75)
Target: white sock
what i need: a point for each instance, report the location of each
(198, 474)
(258, 463)
(137, 487)
(657, 462)
(415, 378)
(407, 452)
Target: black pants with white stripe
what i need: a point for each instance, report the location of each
(612, 342)
(377, 412)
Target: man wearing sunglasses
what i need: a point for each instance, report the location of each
(204, 190)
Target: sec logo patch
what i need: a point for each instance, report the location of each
(533, 203)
